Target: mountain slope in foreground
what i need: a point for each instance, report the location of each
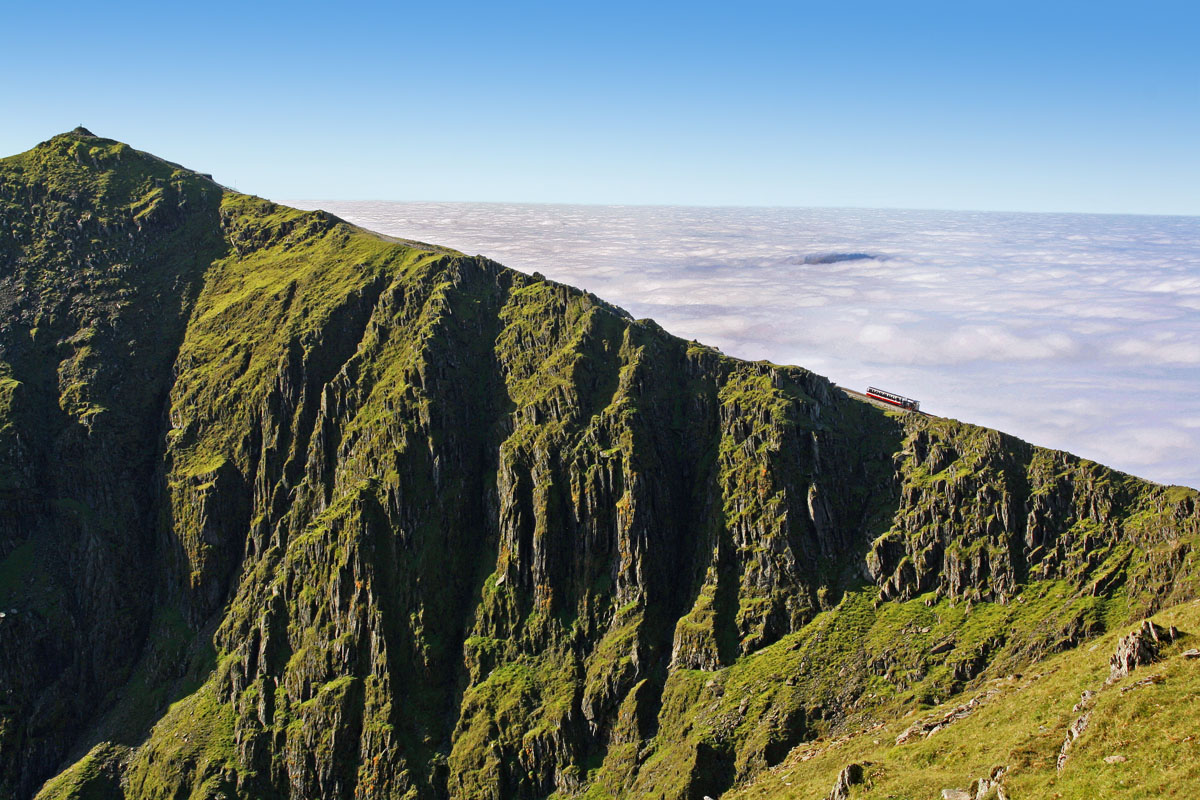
(292, 510)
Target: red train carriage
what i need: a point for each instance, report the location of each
(894, 399)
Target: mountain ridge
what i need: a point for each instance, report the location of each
(420, 525)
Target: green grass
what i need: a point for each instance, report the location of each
(191, 746)
(518, 707)
(96, 776)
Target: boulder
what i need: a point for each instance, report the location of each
(1138, 649)
(991, 788)
(852, 775)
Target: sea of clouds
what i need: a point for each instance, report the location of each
(1074, 331)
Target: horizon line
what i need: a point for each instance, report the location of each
(772, 206)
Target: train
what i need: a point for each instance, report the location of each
(894, 399)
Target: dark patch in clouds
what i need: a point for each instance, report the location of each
(834, 258)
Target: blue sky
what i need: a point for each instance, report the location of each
(981, 105)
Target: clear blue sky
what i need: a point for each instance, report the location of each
(986, 105)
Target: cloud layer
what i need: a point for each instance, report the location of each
(1080, 332)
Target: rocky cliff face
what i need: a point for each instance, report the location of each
(288, 510)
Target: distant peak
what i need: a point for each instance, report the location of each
(82, 131)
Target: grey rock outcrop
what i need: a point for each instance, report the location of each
(930, 725)
(1077, 727)
(1138, 649)
(852, 775)
(991, 787)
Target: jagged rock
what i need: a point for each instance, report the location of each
(991, 787)
(1115, 759)
(1074, 732)
(956, 794)
(851, 775)
(930, 725)
(1149, 680)
(1083, 708)
(1139, 648)
(1193, 653)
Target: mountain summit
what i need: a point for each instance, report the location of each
(292, 510)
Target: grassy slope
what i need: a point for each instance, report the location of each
(1022, 726)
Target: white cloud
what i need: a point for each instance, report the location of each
(1160, 349)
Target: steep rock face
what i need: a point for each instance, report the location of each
(982, 513)
(101, 249)
(407, 523)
